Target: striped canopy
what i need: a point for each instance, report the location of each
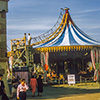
(67, 34)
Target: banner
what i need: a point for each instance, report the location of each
(44, 63)
(92, 58)
(95, 53)
(44, 60)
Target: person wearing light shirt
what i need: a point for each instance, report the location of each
(21, 90)
(29, 39)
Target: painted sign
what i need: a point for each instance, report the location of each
(71, 79)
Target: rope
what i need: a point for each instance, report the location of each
(50, 33)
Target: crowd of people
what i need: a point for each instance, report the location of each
(19, 87)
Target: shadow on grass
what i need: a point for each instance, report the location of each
(58, 92)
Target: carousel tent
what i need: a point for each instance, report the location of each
(67, 34)
(59, 43)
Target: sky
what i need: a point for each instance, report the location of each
(38, 16)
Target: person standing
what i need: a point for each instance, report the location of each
(24, 38)
(29, 39)
(2, 87)
(14, 86)
(99, 76)
(18, 79)
(33, 84)
(10, 83)
(21, 90)
(40, 86)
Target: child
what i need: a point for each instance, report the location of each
(21, 90)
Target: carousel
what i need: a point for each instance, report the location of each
(63, 50)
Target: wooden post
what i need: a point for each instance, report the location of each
(59, 82)
(63, 80)
(82, 64)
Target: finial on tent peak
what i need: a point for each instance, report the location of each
(66, 9)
